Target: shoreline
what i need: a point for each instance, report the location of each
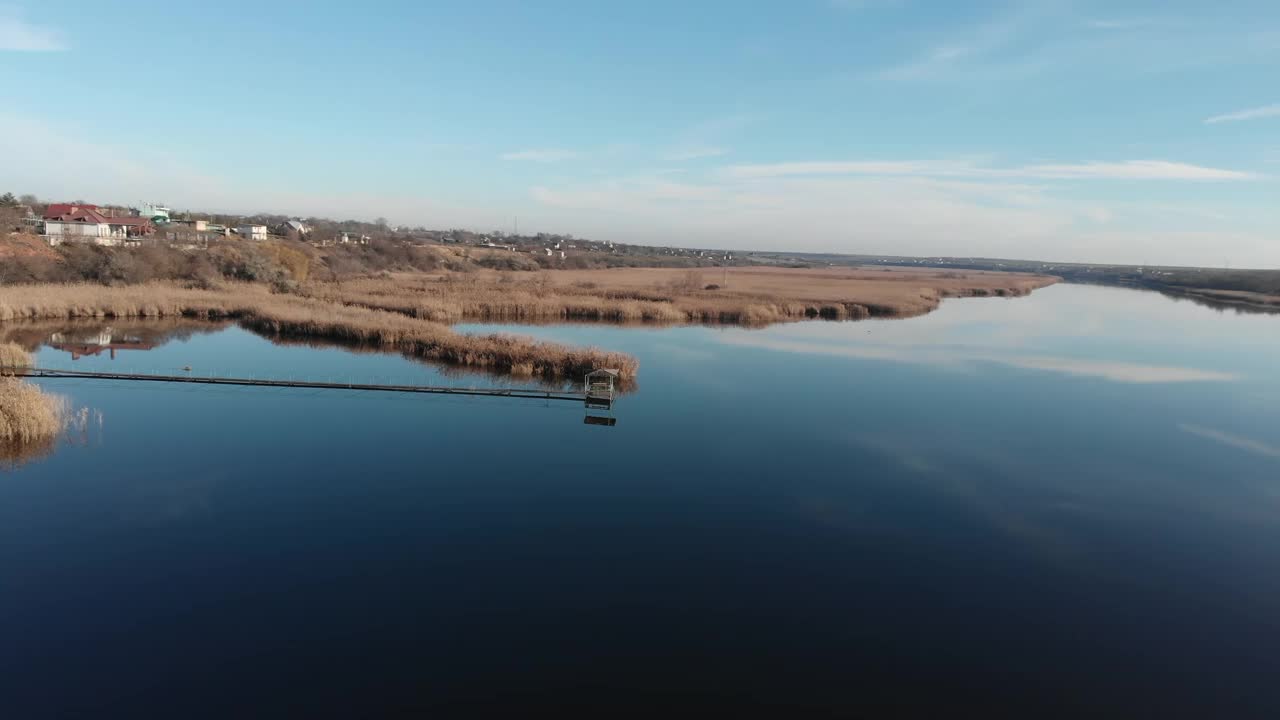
(413, 314)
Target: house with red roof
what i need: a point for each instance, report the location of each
(71, 221)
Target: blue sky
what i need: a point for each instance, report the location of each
(1145, 132)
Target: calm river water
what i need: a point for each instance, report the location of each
(1060, 505)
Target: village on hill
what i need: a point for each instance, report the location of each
(153, 223)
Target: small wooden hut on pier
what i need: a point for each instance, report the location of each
(599, 388)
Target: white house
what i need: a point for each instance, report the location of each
(293, 227)
(99, 233)
(253, 232)
(152, 211)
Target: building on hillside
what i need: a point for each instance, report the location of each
(292, 227)
(83, 229)
(154, 211)
(252, 232)
(67, 221)
(347, 238)
(131, 227)
(55, 211)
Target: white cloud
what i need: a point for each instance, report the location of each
(1127, 170)
(694, 152)
(1100, 215)
(1028, 40)
(1113, 24)
(60, 160)
(857, 167)
(1133, 170)
(1266, 111)
(815, 214)
(542, 155)
(897, 215)
(949, 52)
(862, 4)
(19, 35)
(964, 45)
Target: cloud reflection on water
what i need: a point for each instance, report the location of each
(1066, 330)
(961, 357)
(1236, 441)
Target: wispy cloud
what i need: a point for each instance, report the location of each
(1135, 170)
(694, 152)
(543, 155)
(1236, 441)
(1025, 41)
(1126, 170)
(19, 35)
(965, 45)
(1265, 111)
(1118, 24)
(899, 215)
(862, 4)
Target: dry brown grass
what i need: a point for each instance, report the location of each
(27, 413)
(298, 317)
(13, 356)
(752, 296)
(410, 313)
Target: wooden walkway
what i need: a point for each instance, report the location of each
(530, 393)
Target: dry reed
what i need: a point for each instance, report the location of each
(297, 317)
(12, 356)
(764, 297)
(411, 314)
(27, 413)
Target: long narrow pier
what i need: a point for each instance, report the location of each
(530, 393)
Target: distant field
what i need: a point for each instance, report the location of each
(876, 286)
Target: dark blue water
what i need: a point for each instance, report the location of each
(1061, 505)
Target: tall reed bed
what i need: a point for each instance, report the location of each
(311, 317)
(12, 356)
(493, 303)
(27, 413)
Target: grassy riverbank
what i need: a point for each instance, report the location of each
(410, 313)
(301, 317)
(742, 296)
